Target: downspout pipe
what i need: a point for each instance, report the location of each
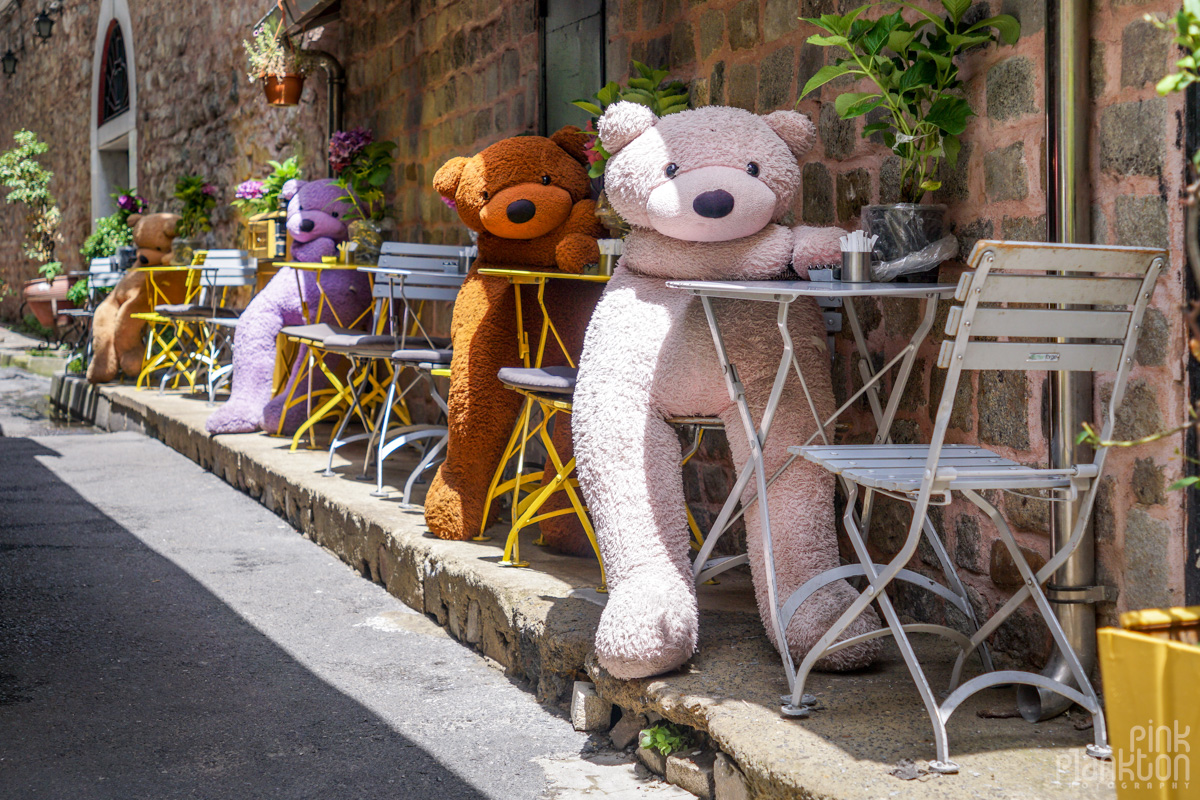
(335, 80)
(1071, 591)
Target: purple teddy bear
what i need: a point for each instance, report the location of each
(316, 217)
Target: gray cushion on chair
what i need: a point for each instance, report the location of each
(196, 310)
(422, 355)
(317, 332)
(552, 380)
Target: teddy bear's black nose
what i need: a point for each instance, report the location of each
(520, 211)
(714, 205)
(307, 225)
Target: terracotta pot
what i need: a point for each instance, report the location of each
(283, 91)
(45, 298)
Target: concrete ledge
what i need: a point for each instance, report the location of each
(539, 624)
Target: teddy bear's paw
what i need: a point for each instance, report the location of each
(647, 628)
(232, 418)
(816, 617)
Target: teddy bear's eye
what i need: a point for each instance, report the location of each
(333, 214)
(672, 170)
(485, 197)
(752, 169)
(545, 180)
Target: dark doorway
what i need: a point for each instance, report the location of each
(572, 59)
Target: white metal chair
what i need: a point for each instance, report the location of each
(205, 328)
(101, 274)
(1027, 307)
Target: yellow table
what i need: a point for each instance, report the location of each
(525, 511)
(318, 267)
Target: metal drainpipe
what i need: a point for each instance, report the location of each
(1068, 118)
(335, 79)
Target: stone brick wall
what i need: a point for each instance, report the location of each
(197, 112)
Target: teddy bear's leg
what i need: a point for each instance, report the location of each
(629, 465)
(801, 505)
(278, 304)
(481, 411)
(104, 365)
(301, 382)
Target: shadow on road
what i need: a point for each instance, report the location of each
(123, 677)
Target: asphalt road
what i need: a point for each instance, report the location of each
(163, 636)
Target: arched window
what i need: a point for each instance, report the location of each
(114, 75)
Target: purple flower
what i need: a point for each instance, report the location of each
(209, 190)
(450, 203)
(127, 203)
(345, 145)
(249, 190)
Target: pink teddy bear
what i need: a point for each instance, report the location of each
(704, 191)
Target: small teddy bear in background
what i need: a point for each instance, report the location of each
(116, 336)
(316, 220)
(704, 191)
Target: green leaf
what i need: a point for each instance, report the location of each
(1007, 26)
(596, 169)
(950, 115)
(930, 185)
(956, 8)
(1184, 483)
(824, 75)
(923, 73)
(875, 127)
(379, 176)
(588, 106)
(642, 83)
(675, 109)
(847, 100)
(609, 94)
(829, 41)
(879, 33)
(860, 107)
(951, 145)
(1172, 83)
(674, 99)
(924, 52)
(962, 42)
(833, 23)
(899, 40)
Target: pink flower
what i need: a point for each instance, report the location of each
(450, 203)
(210, 190)
(249, 190)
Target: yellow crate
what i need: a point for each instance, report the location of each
(1151, 675)
(266, 237)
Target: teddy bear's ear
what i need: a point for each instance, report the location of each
(572, 140)
(445, 180)
(290, 188)
(132, 219)
(622, 123)
(794, 128)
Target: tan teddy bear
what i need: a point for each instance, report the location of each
(116, 335)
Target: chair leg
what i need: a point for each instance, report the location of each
(335, 442)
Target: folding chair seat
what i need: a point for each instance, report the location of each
(1026, 307)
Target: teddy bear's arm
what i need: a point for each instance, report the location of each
(812, 246)
(578, 246)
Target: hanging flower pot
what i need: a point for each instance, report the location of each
(46, 299)
(283, 90)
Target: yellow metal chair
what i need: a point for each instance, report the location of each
(164, 349)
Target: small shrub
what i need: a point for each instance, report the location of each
(666, 738)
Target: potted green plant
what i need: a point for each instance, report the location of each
(362, 167)
(199, 198)
(279, 62)
(259, 207)
(29, 184)
(649, 88)
(109, 235)
(911, 80)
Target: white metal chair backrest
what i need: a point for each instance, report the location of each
(103, 273)
(225, 269)
(409, 273)
(1034, 307)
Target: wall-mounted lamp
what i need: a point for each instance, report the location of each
(8, 62)
(43, 23)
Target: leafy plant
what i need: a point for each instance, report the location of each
(110, 233)
(650, 88)
(274, 53)
(78, 293)
(666, 738)
(199, 199)
(256, 197)
(50, 270)
(916, 82)
(362, 167)
(29, 183)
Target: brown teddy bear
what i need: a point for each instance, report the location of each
(528, 199)
(116, 336)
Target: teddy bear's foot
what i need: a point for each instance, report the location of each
(816, 617)
(649, 626)
(233, 417)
